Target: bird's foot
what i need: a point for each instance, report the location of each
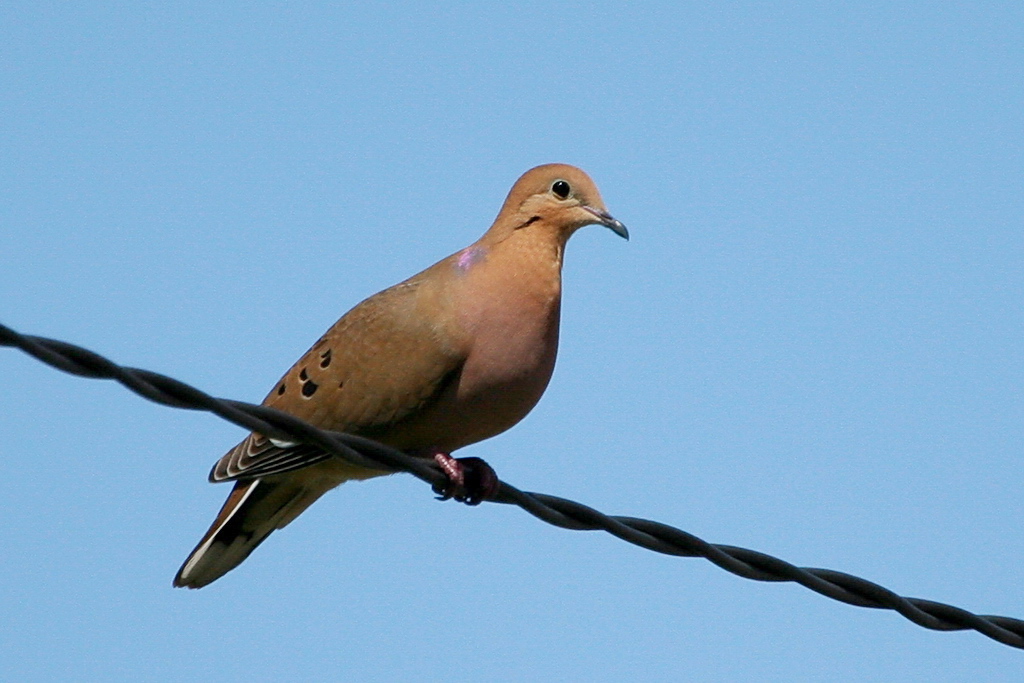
(470, 480)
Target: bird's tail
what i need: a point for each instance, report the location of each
(253, 510)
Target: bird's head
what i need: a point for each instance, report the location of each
(555, 197)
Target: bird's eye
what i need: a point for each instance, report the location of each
(561, 189)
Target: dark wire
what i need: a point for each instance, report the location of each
(560, 512)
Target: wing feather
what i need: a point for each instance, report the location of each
(381, 364)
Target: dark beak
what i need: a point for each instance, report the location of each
(604, 218)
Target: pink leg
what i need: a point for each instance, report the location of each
(470, 480)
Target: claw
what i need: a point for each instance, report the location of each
(456, 477)
(470, 480)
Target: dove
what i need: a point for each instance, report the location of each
(456, 354)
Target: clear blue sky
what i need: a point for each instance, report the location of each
(812, 346)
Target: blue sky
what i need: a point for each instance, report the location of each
(811, 346)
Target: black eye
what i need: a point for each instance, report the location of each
(561, 189)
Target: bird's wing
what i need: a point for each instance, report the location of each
(382, 363)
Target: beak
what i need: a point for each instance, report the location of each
(604, 218)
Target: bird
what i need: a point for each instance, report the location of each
(454, 355)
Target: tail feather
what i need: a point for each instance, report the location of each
(253, 510)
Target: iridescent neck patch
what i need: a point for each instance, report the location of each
(469, 257)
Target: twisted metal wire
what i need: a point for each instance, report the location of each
(560, 512)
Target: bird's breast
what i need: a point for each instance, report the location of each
(513, 324)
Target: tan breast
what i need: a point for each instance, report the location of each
(511, 314)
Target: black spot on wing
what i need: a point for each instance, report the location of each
(325, 358)
(309, 388)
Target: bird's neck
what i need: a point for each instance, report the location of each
(531, 260)
(519, 277)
